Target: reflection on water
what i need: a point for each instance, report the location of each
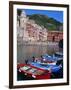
(27, 52)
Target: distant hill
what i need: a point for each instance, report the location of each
(49, 23)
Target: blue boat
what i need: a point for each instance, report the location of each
(49, 62)
(52, 68)
(55, 57)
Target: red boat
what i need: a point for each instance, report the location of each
(34, 72)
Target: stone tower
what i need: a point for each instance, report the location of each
(23, 21)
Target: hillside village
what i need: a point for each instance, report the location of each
(28, 30)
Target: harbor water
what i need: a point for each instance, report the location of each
(26, 52)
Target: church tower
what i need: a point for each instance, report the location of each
(23, 21)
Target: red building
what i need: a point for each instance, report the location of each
(55, 36)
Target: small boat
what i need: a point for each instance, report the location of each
(55, 57)
(53, 62)
(33, 71)
(59, 55)
(49, 67)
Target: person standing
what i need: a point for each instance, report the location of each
(26, 61)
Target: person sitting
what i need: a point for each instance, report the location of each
(41, 58)
(33, 59)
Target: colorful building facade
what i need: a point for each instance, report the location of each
(55, 36)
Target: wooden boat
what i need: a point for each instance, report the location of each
(33, 71)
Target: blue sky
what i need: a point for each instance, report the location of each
(58, 15)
